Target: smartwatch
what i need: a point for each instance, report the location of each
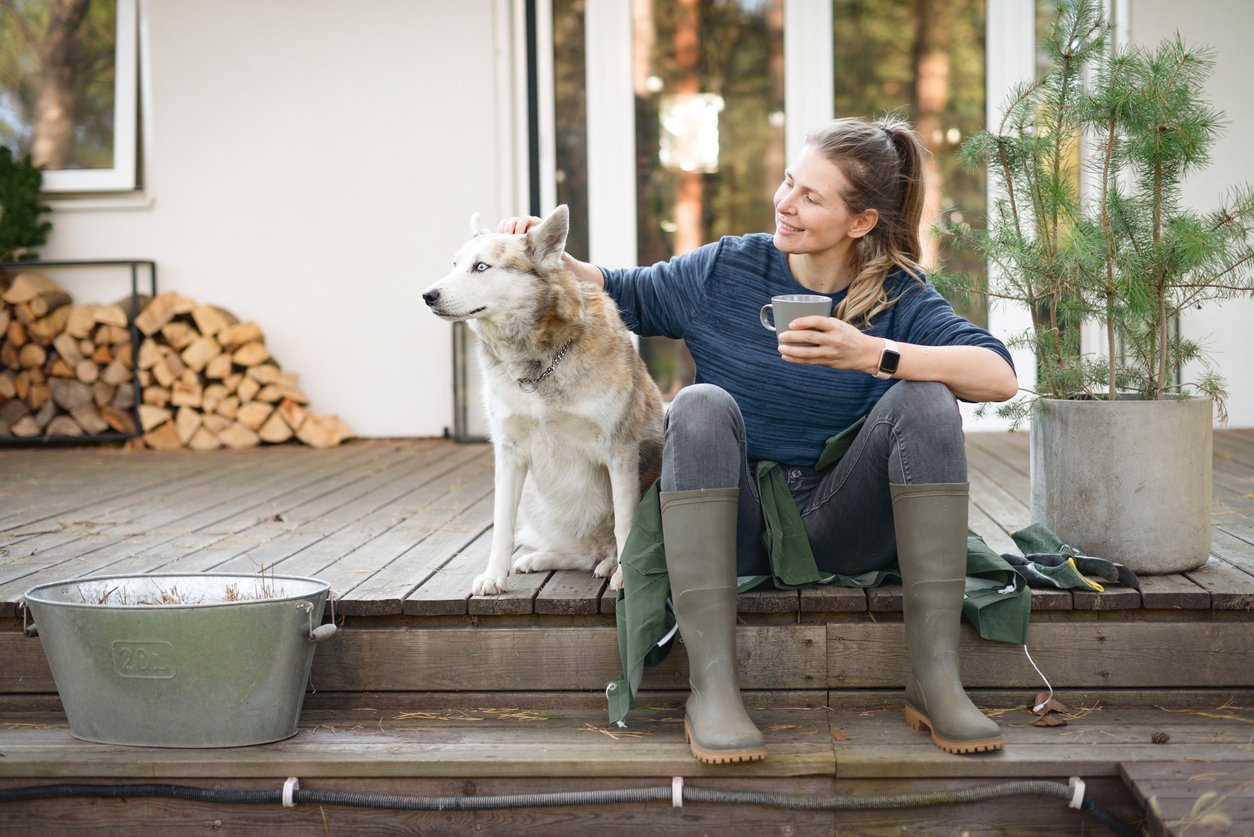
(888, 360)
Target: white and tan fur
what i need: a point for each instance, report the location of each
(571, 454)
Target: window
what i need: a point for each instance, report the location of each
(69, 90)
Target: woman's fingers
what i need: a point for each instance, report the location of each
(518, 224)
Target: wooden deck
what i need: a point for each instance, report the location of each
(429, 691)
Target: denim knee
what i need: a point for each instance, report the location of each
(705, 440)
(927, 424)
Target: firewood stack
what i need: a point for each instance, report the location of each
(207, 380)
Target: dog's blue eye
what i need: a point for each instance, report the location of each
(480, 267)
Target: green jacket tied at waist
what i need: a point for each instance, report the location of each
(997, 603)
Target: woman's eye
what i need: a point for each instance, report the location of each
(810, 199)
(479, 267)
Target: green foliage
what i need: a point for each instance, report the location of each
(21, 229)
(1128, 255)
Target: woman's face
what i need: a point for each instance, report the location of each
(811, 216)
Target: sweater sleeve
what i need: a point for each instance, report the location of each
(931, 321)
(661, 299)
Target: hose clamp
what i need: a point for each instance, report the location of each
(677, 792)
(289, 790)
(1077, 792)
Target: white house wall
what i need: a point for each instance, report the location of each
(312, 166)
(1226, 329)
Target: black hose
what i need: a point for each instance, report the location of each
(548, 800)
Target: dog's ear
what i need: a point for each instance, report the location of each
(476, 226)
(549, 239)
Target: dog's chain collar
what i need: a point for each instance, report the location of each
(530, 384)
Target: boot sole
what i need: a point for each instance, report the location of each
(920, 722)
(721, 756)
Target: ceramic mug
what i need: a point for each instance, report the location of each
(789, 307)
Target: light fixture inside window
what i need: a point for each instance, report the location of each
(689, 135)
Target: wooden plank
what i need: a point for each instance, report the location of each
(265, 502)
(355, 517)
(506, 742)
(1179, 799)
(390, 522)
(1229, 587)
(1173, 592)
(1232, 550)
(514, 659)
(427, 563)
(1071, 653)
(829, 598)
(768, 601)
(1010, 479)
(1112, 597)
(570, 592)
(887, 598)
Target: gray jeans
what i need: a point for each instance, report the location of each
(913, 435)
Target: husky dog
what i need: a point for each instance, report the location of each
(575, 419)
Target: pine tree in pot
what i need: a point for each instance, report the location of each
(1121, 447)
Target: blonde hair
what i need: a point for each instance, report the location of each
(883, 161)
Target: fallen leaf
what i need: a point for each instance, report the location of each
(1049, 721)
(838, 736)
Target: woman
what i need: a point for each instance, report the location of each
(847, 217)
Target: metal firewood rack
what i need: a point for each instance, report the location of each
(135, 266)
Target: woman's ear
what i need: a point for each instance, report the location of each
(864, 223)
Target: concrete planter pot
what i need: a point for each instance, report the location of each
(1129, 481)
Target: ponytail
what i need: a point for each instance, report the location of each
(884, 162)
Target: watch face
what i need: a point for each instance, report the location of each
(889, 361)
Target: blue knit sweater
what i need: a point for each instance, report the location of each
(711, 298)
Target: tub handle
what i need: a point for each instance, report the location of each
(319, 633)
(29, 630)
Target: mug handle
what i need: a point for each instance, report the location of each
(766, 323)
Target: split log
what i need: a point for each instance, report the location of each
(87, 371)
(46, 329)
(32, 355)
(81, 321)
(152, 417)
(113, 316)
(156, 396)
(121, 421)
(187, 422)
(238, 437)
(323, 431)
(210, 319)
(275, 430)
(204, 440)
(239, 334)
(28, 285)
(219, 367)
(63, 425)
(163, 437)
(69, 394)
(254, 414)
(250, 354)
(89, 418)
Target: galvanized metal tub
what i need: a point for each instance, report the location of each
(181, 660)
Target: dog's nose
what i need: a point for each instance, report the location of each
(431, 297)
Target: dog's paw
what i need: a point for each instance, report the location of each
(616, 580)
(534, 562)
(605, 567)
(489, 585)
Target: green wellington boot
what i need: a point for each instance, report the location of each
(699, 532)
(931, 526)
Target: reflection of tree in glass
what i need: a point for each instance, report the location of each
(733, 50)
(56, 81)
(925, 59)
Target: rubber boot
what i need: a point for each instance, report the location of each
(931, 526)
(699, 532)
